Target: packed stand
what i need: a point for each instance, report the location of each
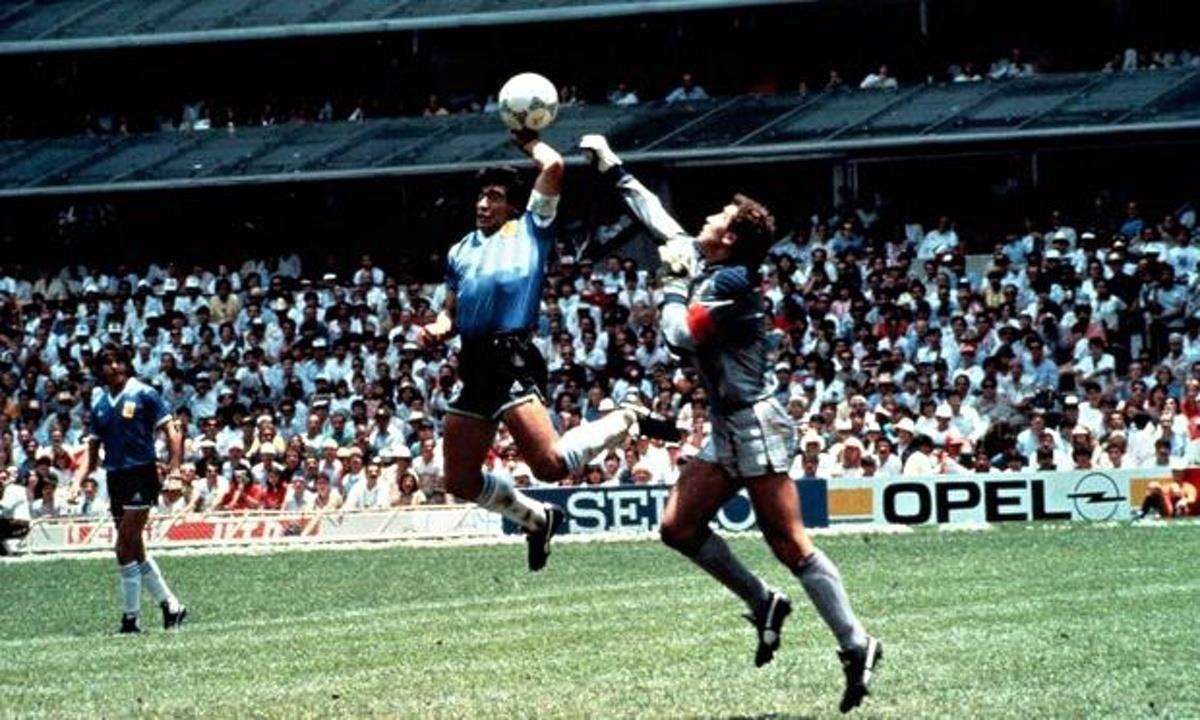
(1066, 349)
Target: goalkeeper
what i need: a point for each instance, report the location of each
(711, 315)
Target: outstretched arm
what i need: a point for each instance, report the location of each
(644, 204)
(549, 162)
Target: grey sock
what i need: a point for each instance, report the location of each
(823, 583)
(718, 560)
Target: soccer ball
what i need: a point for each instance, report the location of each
(528, 102)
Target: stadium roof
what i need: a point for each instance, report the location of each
(28, 26)
(1040, 110)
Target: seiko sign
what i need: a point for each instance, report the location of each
(640, 508)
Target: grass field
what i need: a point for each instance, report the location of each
(1018, 622)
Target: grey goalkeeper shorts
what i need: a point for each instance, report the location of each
(752, 442)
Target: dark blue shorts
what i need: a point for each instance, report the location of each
(498, 373)
(134, 488)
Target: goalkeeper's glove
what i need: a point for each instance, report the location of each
(679, 260)
(679, 257)
(595, 148)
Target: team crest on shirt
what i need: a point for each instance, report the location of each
(127, 409)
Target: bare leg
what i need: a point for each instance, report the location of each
(701, 491)
(464, 448)
(530, 426)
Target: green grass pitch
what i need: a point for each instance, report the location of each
(1020, 622)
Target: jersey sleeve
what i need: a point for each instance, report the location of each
(648, 208)
(93, 426)
(541, 227)
(543, 209)
(722, 307)
(157, 407)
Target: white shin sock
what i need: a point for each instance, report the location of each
(499, 495)
(153, 580)
(578, 446)
(131, 588)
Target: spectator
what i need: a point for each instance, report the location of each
(1013, 66)
(408, 491)
(369, 494)
(967, 73)
(940, 240)
(879, 80)
(623, 95)
(687, 91)
(91, 505)
(299, 498)
(327, 498)
(433, 107)
(920, 461)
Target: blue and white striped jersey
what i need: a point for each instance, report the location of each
(125, 424)
(499, 277)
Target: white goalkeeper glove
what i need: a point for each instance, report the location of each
(679, 257)
(598, 153)
(679, 260)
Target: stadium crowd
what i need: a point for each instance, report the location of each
(895, 353)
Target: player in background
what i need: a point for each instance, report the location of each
(126, 414)
(712, 316)
(494, 281)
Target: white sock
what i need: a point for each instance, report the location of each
(153, 580)
(131, 588)
(579, 445)
(499, 495)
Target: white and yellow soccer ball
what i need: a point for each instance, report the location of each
(528, 102)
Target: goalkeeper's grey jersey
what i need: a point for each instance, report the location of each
(727, 322)
(724, 315)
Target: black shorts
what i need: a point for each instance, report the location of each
(498, 373)
(134, 488)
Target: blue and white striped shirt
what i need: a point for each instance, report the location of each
(499, 277)
(125, 424)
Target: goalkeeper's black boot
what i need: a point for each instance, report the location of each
(172, 620)
(859, 664)
(652, 425)
(768, 619)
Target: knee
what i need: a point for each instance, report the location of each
(787, 546)
(1153, 488)
(786, 549)
(547, 466)
(681, 537)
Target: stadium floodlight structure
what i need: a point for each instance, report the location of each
(68, 25)
(929, 119)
